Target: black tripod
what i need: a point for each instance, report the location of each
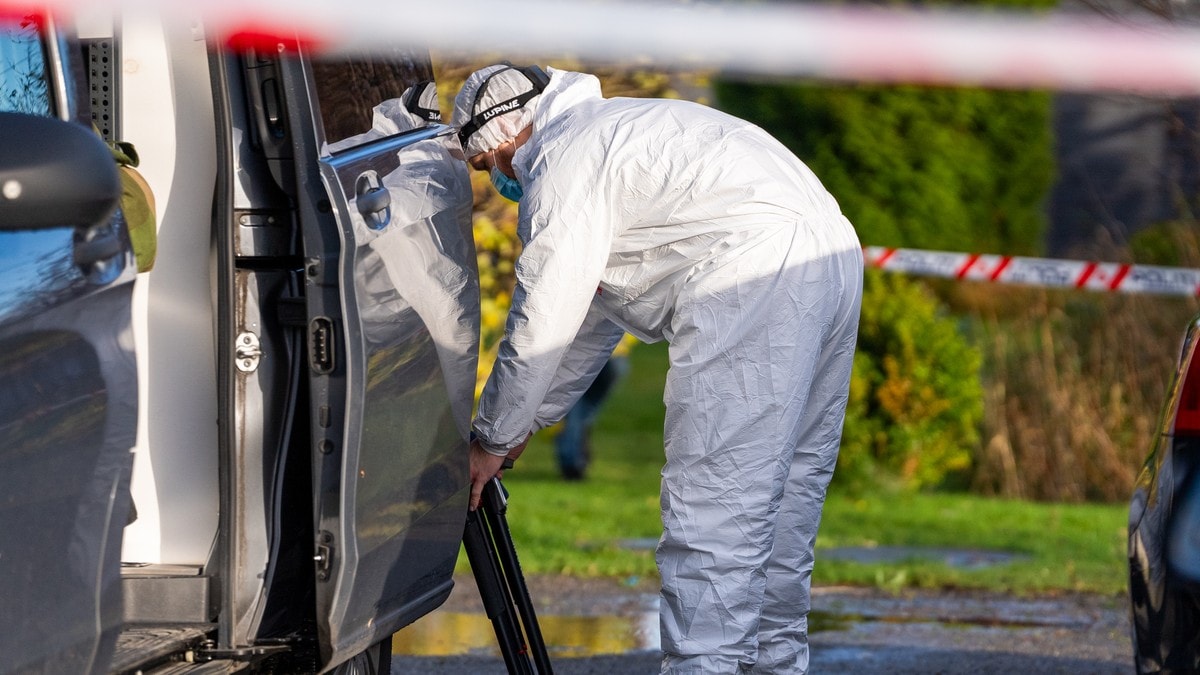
(497, 572)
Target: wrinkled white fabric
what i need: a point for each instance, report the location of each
(761, 354)
(674, 221)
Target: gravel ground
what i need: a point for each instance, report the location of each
(853, 631)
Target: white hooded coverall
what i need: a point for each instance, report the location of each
(674, 221)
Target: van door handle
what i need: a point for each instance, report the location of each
(99, 252)
(373, 199)
(97, 245)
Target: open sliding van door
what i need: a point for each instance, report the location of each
(392, 295)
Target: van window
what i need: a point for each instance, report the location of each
(24, 84)
(361, 95)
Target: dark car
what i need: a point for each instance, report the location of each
(1164, 530)
(254, 454)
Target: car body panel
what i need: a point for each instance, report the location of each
(403, 468)
(393, 486)
(307, 344)
(1164, 520)
(68, 391)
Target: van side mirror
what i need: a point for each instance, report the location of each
(54, 174)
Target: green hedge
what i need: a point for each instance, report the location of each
(915, 395)
(949, 169)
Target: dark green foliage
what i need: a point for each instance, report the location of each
(949, 169)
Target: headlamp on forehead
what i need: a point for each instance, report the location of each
(536, 76)
(414, 102)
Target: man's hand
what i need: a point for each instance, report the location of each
(484, 465)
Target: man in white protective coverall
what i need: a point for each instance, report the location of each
(677, 222)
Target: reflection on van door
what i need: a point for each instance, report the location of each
(390, 473)
(68, 401)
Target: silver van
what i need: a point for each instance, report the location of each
(252, 456)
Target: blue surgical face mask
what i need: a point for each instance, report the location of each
(508, 188)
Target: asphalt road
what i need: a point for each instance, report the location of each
(853, 631)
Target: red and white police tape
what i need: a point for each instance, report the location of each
(1065, 51)
(991, 47)
(1046, 272)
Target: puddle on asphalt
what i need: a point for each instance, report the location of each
(453, 634)
(460, 633)
(824, 621)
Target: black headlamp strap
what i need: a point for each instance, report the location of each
(536, 76)
(413, 104)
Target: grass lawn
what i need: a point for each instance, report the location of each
(605, 526)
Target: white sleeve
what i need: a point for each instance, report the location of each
(569, 231)
(590, 350)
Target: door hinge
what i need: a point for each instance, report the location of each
(247, 352)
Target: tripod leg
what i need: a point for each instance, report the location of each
(495, 506)
(497, 602)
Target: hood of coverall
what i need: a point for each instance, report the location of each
(484, 91)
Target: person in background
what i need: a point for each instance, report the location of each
(673, 221)
(573, 444)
